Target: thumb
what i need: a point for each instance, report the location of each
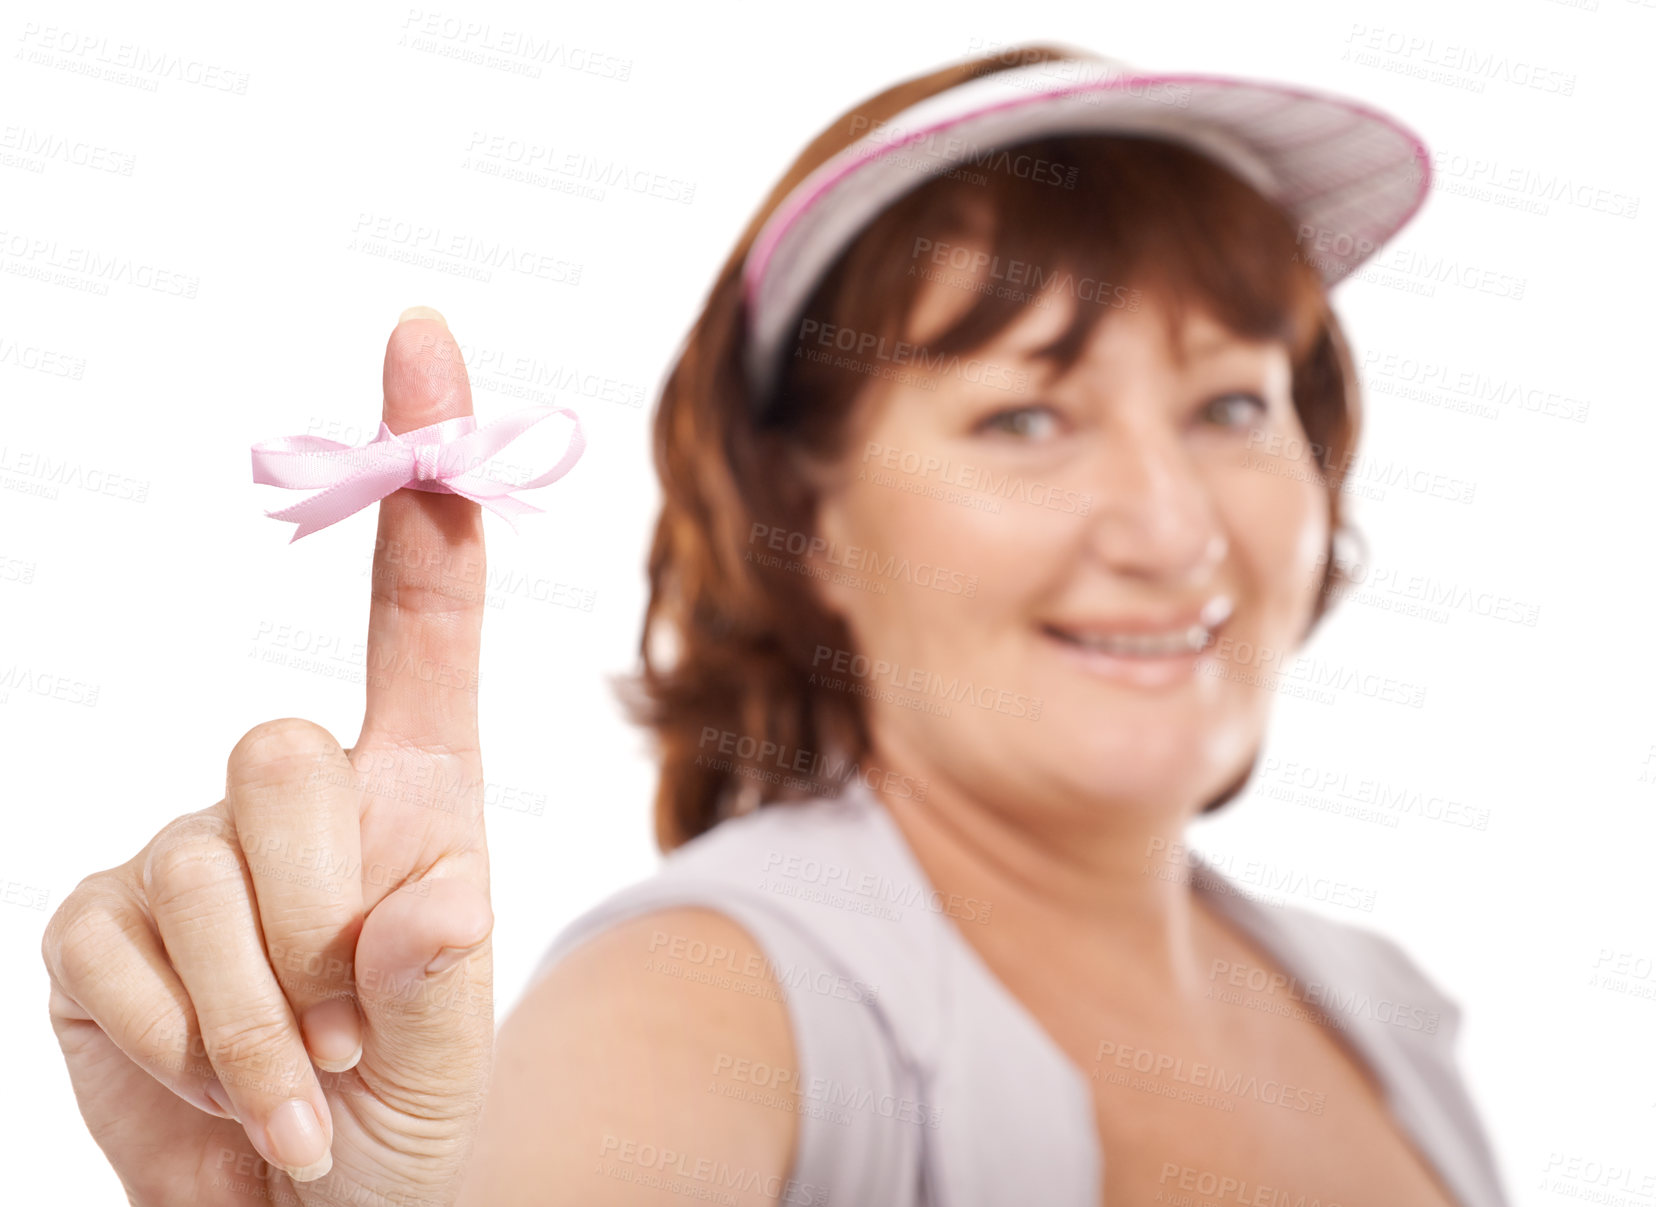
(425, 985)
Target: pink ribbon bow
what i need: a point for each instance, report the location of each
(452, 457)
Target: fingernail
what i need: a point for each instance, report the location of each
(333, 1034)
(448, 957)
(420, 312)
(216, 1095)
(297, 1142)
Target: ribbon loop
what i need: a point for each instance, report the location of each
(452, 457)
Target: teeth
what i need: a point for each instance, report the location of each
(1184, 641)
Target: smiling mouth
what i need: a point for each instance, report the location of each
(1172, 637)
(1173, 643)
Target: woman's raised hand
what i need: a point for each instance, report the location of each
(287, 997)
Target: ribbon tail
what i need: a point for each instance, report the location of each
(338, 501)
(504, 506)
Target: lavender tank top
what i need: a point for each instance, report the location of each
(926, 1083)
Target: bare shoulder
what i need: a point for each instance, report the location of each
(631, 1066)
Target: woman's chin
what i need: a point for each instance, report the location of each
(1138, 766)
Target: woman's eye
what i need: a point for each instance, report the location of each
(1236, 409)
(1029, 422)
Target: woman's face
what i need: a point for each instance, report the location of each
(1052, 518)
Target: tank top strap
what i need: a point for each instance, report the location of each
(923, 1082)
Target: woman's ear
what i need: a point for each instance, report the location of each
(1337, 560)
(827, 531)
(820, 484)
(806, 475)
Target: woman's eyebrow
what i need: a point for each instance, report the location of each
(1051, 355)
(1218, 344)
(1049, 367)
(1209, 347)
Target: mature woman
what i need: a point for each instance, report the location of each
(1002, 470)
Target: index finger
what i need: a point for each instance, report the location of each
(426, 617)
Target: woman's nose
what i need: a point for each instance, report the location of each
(1153, 512)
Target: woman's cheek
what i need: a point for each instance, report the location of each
(1281, 519)
(926, 521)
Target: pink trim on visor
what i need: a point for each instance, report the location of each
(1311, 176)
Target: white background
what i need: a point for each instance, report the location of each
(169, 606)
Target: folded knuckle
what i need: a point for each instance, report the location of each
(276, 749)
(157, 1036)
(309, 931)
(253, 1036)
(313, 959)
(189, 865)
(79, 937)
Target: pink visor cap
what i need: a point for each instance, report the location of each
(1350, 176)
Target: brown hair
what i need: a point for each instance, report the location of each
(727, 644)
